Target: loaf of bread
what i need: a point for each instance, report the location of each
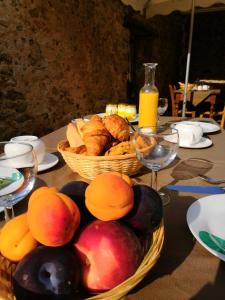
(73, 135)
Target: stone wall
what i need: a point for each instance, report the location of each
(59, 59)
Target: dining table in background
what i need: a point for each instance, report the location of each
(185, 269)
(196, 97)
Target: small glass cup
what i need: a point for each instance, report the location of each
(162, 105)
(111, 109)
(122, 107)
(131, 112)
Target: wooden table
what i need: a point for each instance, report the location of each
(199, 96)
(185, 269)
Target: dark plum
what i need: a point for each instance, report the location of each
(47, 273)
(75, 188)
(76, 191)
(147, 212)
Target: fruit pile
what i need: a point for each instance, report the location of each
(82, 238)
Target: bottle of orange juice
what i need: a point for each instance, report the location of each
(148, 98)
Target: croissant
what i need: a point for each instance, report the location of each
(95, 136)
(117, 126)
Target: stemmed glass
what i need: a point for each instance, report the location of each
(162, 106)
(156, 147)
(18, 169)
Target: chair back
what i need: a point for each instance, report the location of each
(218, 116)
(177, 98)
(222, 123)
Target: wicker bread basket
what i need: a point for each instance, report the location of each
(7, 269)
(91, 166)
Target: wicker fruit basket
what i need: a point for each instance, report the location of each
(7, 269)
(91, 166)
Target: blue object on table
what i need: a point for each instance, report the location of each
(201, 189)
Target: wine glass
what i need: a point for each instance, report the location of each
(156, 147)
(18, 169)
(162, 106)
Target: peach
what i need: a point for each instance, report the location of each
(53, 217)
(109, 197)
(124, 176)
(16, 240)
(109, 252)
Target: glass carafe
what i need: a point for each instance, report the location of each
(148, 98)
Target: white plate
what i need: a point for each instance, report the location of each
(11, 172)
(206, 127)
(204, 143)
(7, 172)
(103, 114)
(207, 214)
(49, 161)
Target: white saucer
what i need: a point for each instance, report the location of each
(206, 126)
(49, 161)
(207, 214)
(204, 143)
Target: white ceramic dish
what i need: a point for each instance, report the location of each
(206, 126)
(11, 173)
(203, 143)
(103, 114)
(38, 144)
(49, 161)
(207, 214)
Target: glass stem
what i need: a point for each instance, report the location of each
(8, 213)
(154, 180)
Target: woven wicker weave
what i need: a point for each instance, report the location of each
(6, 270)
(150, 259)
(91, 166)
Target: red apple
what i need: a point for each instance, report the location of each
(110, 253)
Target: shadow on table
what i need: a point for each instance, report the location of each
(179, 241)
(190, 168)
(213, 290)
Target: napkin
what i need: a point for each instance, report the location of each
(189, 134)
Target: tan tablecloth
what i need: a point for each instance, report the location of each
(185, 269)
(198, 96)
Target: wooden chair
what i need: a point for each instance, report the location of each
(176, 99)
(219, 116)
